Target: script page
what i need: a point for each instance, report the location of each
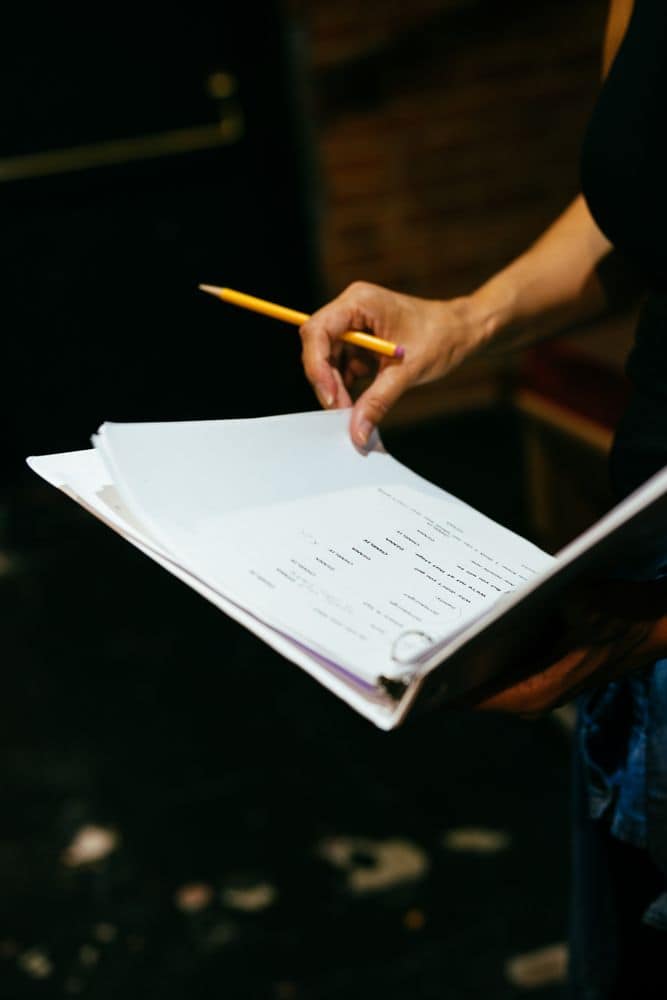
(352, 554)
(83, 477)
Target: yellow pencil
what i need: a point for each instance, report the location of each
(298, 319)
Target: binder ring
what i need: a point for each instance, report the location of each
(409, 646)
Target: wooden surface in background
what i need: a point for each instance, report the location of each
(449, 135)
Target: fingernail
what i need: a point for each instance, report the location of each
(325, 395)
(364, 430)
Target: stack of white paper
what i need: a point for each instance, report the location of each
(348, 564)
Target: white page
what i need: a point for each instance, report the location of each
(353, 555)
(637, 502)
(84, 478)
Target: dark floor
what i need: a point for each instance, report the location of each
(254, 837)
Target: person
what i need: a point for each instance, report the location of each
(617, 649)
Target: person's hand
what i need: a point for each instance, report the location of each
(436, 336)
(607, 629)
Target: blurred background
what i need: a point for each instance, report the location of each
(184, 814)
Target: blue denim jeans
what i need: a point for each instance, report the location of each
(618, 947)
(617, 904)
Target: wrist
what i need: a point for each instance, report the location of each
(460, 328)
(492, 308)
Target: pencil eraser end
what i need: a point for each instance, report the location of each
(399, 352)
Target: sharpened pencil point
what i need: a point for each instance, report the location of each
(211, 289)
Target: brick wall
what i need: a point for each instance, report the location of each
(448, 135)
(448, 131)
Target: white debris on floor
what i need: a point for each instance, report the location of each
(535, 969)
(35, 963)
(250, 898)
(90, 845)
(374, 865)
(193, 896)
(476, 840)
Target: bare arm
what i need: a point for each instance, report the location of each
(620, 12)
(619, 627)
(551, 286)
(607, 629)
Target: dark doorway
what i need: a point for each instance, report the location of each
(137, 158)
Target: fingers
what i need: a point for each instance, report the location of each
(350, 363)
(374, 404)
(356, 365)
(343, 398)
(316, 357)
(321, 335)
(364, 307)
(318, 336)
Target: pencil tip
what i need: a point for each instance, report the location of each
(211, 289)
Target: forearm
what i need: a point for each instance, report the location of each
(581, 669)
(552, 286)
(622, 628)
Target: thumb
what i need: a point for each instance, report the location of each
(374, 404)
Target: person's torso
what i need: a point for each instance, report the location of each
(624, 180)
(624, 164)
